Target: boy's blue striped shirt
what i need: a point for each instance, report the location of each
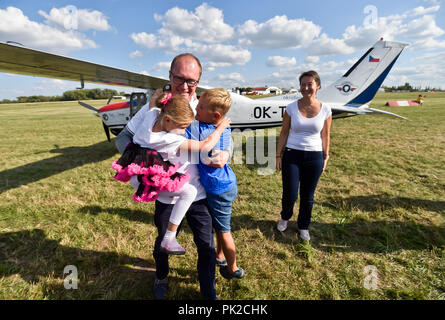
(214, 180)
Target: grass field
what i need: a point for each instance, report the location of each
(380, 203)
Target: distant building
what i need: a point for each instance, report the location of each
(289, 91)
(267, 90)
(274, 90)
(259, 90)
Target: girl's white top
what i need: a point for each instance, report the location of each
(304, 133)
(167, 145)
(164, 142)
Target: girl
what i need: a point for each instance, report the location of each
(154, 162)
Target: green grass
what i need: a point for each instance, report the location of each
(381, 202)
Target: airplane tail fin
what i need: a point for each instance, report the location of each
(361, 82)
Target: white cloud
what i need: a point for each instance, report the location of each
(211, 66)
(312, 59)
(278, 32)
(15, 26)
(422, 28)
(230, 80)
(360, 37)
(83, 19)
(205, 24)
(278, 61)
(219, 53)
(161, 66)
(234, 76)
(329, 71)
(135, 54)
(425, 70)
(325, 46)
(404, 25)
(152, 41)
(202, 31)
(422, 11)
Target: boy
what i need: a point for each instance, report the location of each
(219, 183)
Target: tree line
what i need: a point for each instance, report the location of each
(71, 95)
(410, 88)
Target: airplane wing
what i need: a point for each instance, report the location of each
(20, 60)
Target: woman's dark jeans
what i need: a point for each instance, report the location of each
(300, 170)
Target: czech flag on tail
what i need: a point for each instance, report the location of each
(372, 59)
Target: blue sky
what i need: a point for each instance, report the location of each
(240, 43)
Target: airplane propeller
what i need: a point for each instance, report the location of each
(85, 105)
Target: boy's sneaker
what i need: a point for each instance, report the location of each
(221, 263)
(282, 225)
(160, 288)
(304, 235)
(224, 271)
(171, 247)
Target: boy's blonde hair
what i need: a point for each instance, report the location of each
(177, 108)
(218, 99)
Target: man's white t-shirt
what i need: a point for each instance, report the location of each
(304, 133)
(143, 121)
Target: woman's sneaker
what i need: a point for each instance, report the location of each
(282, 225)
(304, 235)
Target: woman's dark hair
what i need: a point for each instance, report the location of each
(312, 74)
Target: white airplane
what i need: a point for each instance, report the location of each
(347, 96)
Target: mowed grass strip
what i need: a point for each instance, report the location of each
(380, 203)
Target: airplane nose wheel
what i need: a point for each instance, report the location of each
(107, 131)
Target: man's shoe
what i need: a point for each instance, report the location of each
(224, 271)
(282, 225)
(160, 288)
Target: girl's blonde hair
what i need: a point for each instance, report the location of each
(176, 107)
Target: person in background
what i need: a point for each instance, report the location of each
(420, 99)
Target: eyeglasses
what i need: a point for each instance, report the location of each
(180, 81)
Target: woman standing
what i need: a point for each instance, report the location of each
(305, 136)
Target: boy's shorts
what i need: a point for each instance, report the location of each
(220, 207)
